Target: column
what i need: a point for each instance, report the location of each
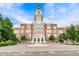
(44, 40)
(40, 41)
(33, 40)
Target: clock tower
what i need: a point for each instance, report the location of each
(38, 28)
(38, 15)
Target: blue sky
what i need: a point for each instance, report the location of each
(62, 14)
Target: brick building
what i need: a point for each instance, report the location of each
(38, 31)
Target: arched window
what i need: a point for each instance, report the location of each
(42, 39)
(34, 39)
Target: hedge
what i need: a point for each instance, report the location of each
(61, 41)
(7, 43)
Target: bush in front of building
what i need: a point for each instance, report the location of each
(24, 38)
(7, 43)
(52, 38)
(61, 40)
(62, 37)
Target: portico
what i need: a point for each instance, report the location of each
(38, 40)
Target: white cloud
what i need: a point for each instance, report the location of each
(72, 5)
(13, 11)
(9, 5)
(20, 16)
(49, 8)
(62, 10)
(67, 20)
(64, 22)
(22, 19)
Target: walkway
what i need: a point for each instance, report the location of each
(53, 49)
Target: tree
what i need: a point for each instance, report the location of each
(72, 33)
(0, 37)
(6, 30)
(1, 21)
(77, 35)
(62, 37)
(52, 38)
(23, 38)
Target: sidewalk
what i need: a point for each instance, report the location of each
(24, 48)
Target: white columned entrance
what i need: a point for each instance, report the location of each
(38, 41)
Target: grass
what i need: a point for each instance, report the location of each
(7, 43)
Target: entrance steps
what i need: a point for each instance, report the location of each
(38, 45)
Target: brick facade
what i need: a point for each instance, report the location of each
(30, 29)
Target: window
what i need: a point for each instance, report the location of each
(54, 27)
(54, 31)
(48, 27)
(49, 31)
(22, 31)
(34, 39)
(38, 39)
(55, 35)
(28, 31)
(28, 26)
(42, 39)
(22, 27)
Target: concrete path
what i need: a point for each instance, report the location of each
(52, 49)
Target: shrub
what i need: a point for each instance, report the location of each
(61, 40)
(52, 38)
(23, 38)
(7, 43)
